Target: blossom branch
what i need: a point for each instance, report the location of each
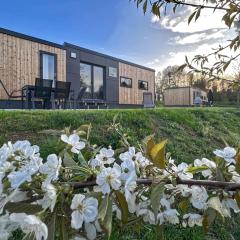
(212, 184)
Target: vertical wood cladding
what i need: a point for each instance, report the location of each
(134, 95)
(177, 96)
(20, 62)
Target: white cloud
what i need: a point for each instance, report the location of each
(197, 38)
(179, 22)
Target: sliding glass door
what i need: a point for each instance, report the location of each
(92, 77)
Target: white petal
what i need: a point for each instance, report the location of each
(77, 220)
(91, 231)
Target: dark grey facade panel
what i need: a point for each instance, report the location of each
(111, 84)
(68, 45)
(30, 38)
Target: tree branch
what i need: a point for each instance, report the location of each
(196, 5)
(229, 186)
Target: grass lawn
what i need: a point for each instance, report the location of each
(192, 133)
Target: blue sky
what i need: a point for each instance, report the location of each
(114, 27)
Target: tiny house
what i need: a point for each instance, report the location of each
(24, 58)
(183, 96)
(118, 82)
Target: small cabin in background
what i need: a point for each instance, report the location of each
(183, 96)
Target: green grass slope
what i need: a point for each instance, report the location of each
(192, 133)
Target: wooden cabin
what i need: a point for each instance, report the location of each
(118, 82)
(24, 58)
(183, 96)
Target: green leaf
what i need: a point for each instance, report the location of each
(208, 218)
(23, 208)
(82, 160)
(52, 227)
(155, 9)
(157, 154)
(145, 6)
(156, 195)
(191, 17)
(215, 203)
(123, 206)
(237, 197)
(103, 207)
(64, 229)
(197, 169)
(149, 144)
(107, 222)
(238, 163)
(198, 14)
(68, 160)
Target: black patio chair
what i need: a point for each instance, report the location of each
(11, 95)
(61, 93)
(42, 91)
(148, 100)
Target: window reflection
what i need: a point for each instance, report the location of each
(48, 67)
(98, 82)
(86, 79)
(125, 82)
(92, 78)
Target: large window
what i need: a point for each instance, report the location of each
(97, 82)
(48, 66)
(125, 82)
(86, 79)
(92, 77)
(143, 85)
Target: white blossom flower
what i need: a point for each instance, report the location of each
(181, 171)
(138, 158)
(227, 154)
(24, 149)
(129, 188)
(25, 172)
(105, 156)
(148, 216)
(6, 227)
(19, 196)
(199, 197)
(84, 210)
(184, 190)
(109, 178)
(205, 162)
(193, 219)
(116, 209)
(50, 197)
(227, 205)
(128, 168)
(235, 175)
(51, 168)
(171, 216)
(74, 141)
(30, 224)
(5, 152)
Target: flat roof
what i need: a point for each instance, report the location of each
(30, 38)
(42, 41)
(107, 56)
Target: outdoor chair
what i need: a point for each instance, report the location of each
(61, 94)
(42, 91)
(148, 100)
(10, 95)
